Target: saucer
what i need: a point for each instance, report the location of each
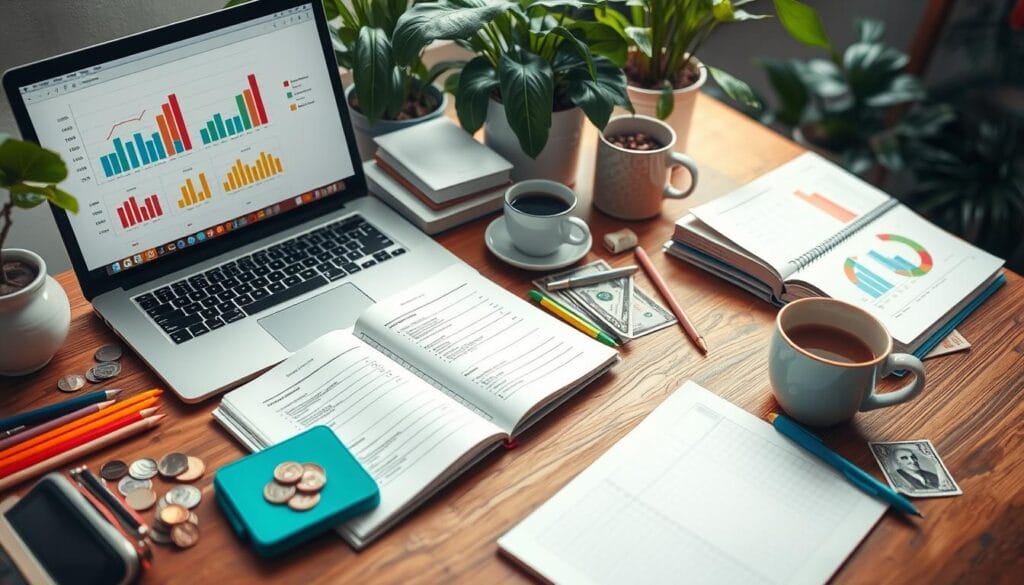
(500, 244)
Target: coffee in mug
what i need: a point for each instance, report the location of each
(537, 216)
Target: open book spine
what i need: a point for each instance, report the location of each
(817, 251)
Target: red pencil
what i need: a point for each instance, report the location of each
(76, 441)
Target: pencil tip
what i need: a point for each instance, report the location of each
(156, 418)
(148, 411)
(703, 345)
(113, 393)
(105, 403)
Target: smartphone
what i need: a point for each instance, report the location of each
(53, 535)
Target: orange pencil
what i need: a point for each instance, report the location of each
(666, 294)
(70, 443)
(80, 451)
(71, 426)
(110, 416)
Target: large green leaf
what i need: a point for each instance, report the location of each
(734, 88)
(447, 19)
(21, 160)
(603, 40)
(576, 45)
(598, 96)
(784, 77)
(641, 37)
(373, 72)
(477, 81)
(528, 93)
(802, 23)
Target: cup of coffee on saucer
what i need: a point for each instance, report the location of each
(635, 158)
(825, 358)
(538, 231)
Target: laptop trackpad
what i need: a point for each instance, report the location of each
(300, 324)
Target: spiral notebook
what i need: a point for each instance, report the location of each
(809, 228)
(701, 491)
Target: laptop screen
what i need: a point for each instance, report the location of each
(176, 146)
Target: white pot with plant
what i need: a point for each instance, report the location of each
(34, 310)
(534, 79)
(665, 37)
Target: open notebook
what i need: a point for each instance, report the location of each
(428, 382)
(809, 228)
(701, 491)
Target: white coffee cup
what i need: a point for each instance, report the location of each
(820, 392)
(539, 230)
(631, 184)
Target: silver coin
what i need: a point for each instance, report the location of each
(185, 495)
(106, 370)
(140, 499)
(108, 353)
(91, 376)
(173, 464)
(129, 484)
(71, 383)
(142, 468)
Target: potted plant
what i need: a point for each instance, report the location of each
(665, 37)
(533, 80)
(384, 96)
(34, 310)
(841, 106)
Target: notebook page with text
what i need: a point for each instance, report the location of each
(700, 492)
(489, 349)
(404, 432)
(786, 212)
(903, 270)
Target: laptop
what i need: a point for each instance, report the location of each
(225, 221)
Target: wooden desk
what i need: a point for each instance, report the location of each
(971, 409)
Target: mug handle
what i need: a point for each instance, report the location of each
(681, 160)
(574, 230)
(897, 361)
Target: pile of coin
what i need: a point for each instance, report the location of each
(175, 523)
(296, 484)
(108, 366)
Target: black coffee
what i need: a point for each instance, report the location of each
(540, 204)
(831, 343)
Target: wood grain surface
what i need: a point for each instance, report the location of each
(971, 410)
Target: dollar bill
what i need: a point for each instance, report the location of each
(647, 315)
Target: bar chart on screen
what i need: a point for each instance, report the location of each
(155, 138)
(131, 212)
(194, 192)
(249, 112)
(243, 173)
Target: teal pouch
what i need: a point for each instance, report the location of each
(275, 528)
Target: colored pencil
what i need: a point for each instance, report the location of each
(60, 435)
(42, 454)
(567, 315)
(80, 451)
(60, 431)
(47, 426)
(666, 294)
(52, 411)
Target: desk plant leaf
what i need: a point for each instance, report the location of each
(527, 92)
(477, 81)
(802, 23)
(426, 22)
(372, 71)
(598, 95)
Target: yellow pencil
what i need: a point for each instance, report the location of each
(571, 318)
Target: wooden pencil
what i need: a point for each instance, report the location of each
(37, 430)
(666, 294)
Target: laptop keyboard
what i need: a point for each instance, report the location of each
(250, 284)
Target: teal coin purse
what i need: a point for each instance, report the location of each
(275, 528)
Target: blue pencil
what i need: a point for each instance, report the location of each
(855, 475)
(54, 410)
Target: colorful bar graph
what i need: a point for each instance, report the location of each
(241, 175)
(169, 139)
(865, 279)
(248, 113)
(898, 264)
(131, 213)
(827, 205)
(189, 195)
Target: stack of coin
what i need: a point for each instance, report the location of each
(296, 484)
(107, 365)
(175, 524)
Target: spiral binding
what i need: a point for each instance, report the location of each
(818, 251)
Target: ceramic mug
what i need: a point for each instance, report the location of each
(542, 231)
(822, 392)
(631, 184)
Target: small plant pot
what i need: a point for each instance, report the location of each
(34, 321)
(365, 131)
(645, 102)
(560, 156)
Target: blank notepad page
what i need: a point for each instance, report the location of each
(700, 492)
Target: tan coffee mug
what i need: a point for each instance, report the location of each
(631, 184)
(819, 391)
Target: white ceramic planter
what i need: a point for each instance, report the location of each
(556, 162)
(34, 321)
(645, 102)
(365, 131)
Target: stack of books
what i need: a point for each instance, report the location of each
(437, 176)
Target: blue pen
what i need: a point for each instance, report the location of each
(52, 411)
(855, 475)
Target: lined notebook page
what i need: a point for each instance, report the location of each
(700, 492)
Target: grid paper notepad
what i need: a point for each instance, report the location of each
(700, 492)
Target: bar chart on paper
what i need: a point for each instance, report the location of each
(131, 213)
(889, 263)
(264, 167)
(826, 205)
